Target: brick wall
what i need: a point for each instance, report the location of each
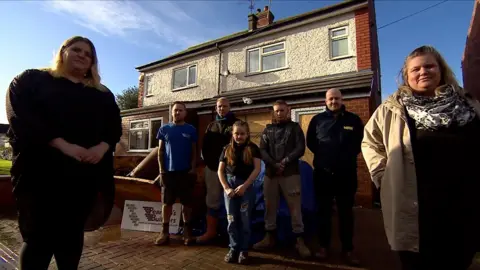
(361, 107)
(265, 17)
(122, 146)
(375, 56)
(7, 201)
(141, 86)
(362, 27)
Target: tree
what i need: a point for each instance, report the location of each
(128, 99)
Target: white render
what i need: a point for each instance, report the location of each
(307, 56)
(159, 82)
(307, 53)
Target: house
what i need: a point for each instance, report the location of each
(296, 59)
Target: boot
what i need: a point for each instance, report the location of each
(267, 242)
(231, 256)
(164, 236)
(321, 254)
(350, 259)
(302, 248)
(243, 258)
(187, 234)
(211, 230)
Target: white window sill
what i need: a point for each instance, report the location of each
(140, 151)
(266, 71)
(184, 88)
(341, 57)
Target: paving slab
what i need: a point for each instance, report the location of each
(114, 248)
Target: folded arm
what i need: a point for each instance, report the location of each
(299, 149)
(264, 149)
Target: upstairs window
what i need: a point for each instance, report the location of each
(339, 42)
(184, 77)
(266, 58)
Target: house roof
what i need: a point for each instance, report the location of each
(235, 36)
(358, 81)
(355, 82)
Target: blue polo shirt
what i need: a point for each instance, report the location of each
(178, 141)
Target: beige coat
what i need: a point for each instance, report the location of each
(387, 150)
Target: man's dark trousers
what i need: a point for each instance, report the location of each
(341, 186)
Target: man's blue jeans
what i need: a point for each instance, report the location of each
(238, 215)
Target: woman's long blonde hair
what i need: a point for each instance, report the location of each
(446, 74)
(247, 152)
(92, 78)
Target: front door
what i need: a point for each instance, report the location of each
(257, 123)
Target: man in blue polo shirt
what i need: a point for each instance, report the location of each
(177, 155)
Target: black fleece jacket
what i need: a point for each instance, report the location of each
(217, 135)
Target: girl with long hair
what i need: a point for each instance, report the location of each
(64, 125)
(239, 166)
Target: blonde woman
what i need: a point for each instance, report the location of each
(64, 125)
(422, 149)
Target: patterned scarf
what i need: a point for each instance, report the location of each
(445, 109)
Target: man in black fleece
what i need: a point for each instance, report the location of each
(217, 135)
(282, 145)
(335, 137)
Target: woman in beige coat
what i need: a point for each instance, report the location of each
(422, 147)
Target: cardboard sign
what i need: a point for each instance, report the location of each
(6, 266)
(147, 216)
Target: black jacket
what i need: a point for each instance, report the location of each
(335, 141)
(40, 108)
(279, 141)
(217, 135)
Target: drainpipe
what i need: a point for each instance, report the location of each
(170, 113)
(219, 68)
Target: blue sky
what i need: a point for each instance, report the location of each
(129, 34)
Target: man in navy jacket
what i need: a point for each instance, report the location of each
(334, 137)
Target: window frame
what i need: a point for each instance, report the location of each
(145, 85)
(149, 143)
(188, 74)
(261, 54)
(346, 36)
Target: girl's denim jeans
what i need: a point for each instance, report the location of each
(238, 215)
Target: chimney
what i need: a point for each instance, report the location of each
(265, 18)
(261, 19)
(252, 22)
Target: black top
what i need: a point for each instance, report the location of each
(279, 141)
(41, 108)
(239, 168)
(448, 180)
(335, 140)
(217, 135)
